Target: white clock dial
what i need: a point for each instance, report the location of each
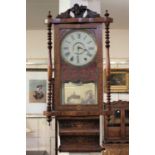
(78, 48)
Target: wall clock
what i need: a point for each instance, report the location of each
(75, 90)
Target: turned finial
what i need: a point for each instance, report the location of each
(106, 13)
(49, 14)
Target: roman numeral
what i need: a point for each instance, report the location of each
(72, 37)
(85, 59)
(72, 58)
(78, 59)
(65, 48)
(67, 41)
(89, 42)
(79, 35)
(89, 54)
(91, 48)
(67, 54)
(85, 37)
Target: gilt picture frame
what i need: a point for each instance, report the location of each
(36, 90)
(119, 80)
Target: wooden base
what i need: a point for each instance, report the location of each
(79, 134)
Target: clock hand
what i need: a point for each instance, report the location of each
(80, 47)
(80, 52)
(88, 52)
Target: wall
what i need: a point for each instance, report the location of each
(36, 44)
(39, 135)
(119, 43)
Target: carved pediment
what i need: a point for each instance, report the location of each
(78, 12)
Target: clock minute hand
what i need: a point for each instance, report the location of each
(80, 52)
(83, 48)
(88, 52)
(80, 47)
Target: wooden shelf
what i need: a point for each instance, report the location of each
(75, 132)
(80, 148)
(79, 134)
(72, 113)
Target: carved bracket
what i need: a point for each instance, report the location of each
(78, 12)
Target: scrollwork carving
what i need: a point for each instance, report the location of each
(78, 12)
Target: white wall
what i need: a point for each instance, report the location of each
(40, 135)
(36, 44)
(119, 43)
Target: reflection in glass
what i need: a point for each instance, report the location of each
(115, 119)
(79, 93)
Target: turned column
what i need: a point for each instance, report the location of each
(50, 80)
(107, 45)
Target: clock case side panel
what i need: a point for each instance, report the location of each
(57, 41)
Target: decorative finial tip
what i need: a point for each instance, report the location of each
(106, 13)
(49, 14)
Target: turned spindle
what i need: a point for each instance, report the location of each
(50, 81)
(107, 45)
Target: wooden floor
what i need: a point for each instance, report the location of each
(116, 149)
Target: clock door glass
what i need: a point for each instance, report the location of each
(79, 93)
(78, 48)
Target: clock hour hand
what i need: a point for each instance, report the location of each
(79, 47)
(80, 52)
(82, 48)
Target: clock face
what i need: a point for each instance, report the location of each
(78, 48)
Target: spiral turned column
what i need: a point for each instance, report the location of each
(107, 45)
(50, 81)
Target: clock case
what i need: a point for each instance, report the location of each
(64, 72)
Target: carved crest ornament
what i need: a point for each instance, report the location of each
(78, 12)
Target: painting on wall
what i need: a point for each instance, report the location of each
(119, 80)
(36, 90)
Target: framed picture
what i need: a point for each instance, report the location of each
(119, 80)
(36, 90)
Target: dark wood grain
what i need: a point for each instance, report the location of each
(81, 20)
(50, 84)
(117, 132)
